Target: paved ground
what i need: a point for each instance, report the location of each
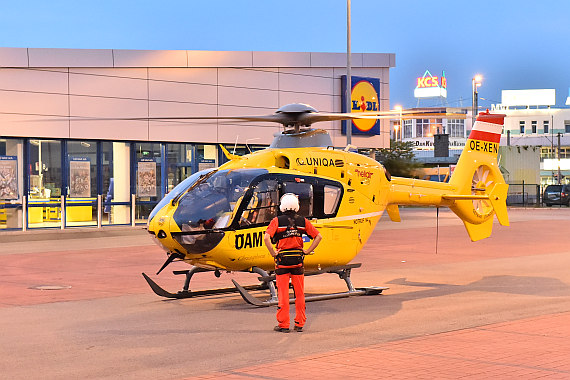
(499, 307)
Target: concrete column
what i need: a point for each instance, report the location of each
(121, 182)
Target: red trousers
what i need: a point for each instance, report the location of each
(283, 296)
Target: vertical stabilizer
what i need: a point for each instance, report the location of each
(477, 174)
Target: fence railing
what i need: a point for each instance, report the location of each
(524, 194)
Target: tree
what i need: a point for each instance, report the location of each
(399, 159)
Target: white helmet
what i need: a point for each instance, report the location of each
(289, 202)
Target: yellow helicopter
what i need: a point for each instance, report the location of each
(215, 219)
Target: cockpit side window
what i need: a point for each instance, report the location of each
(331, 198)
(263, 205)
(305, 193)
(318, 198)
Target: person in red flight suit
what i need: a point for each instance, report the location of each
(287, 231)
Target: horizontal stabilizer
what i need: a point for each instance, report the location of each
(228, 155)
(393, 213)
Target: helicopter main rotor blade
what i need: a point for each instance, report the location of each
(311, 118)
(290, 115)
(269, 118)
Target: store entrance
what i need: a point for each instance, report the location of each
(52, 183)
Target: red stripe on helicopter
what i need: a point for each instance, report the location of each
(485, 136)
(495, 118)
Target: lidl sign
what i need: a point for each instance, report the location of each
(364, 98)
(429, 86)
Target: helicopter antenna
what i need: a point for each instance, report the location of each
(235, 145)
(436, 228)
(247, 146)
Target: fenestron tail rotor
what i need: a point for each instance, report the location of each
(482, 183)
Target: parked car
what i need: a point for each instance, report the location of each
(556, 195)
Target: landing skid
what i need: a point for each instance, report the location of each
(267, 283)
(187, 293)
(159, 291)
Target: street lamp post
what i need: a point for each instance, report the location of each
(400, 126)
(396, 127)
(475, 83)
(348, 75)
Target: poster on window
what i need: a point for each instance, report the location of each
(8, 177)
(206, 164)
(146, 178)
(79, 177)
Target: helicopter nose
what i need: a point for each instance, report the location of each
(198, 241)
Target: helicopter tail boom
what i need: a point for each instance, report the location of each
(476, 190)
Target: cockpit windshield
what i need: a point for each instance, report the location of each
(210, 203)
(179, 189)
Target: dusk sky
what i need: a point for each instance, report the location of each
(514, 44)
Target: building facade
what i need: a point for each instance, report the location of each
(533, 126)
(420, 130)
(79, 140)
(545, 128)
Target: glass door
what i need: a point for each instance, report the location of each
(81, 197)
(44, 188)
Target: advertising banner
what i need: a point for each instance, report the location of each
(146, 178)
(8, 177)
(429, 86)
(79, 177)
(365, 97)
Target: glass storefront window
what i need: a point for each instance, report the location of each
(80, 170)
(11, 183)
(179, 164)
(148, 157)
(107, 165)
(82, 176)
(44, 205)
(456, 127)
(187, 159)
(408, 129)
(428, 127)
(81, 204)
(206, 157)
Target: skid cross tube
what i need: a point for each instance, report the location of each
(189, 274)
(270, 283)
(343, 272)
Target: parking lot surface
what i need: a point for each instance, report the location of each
(73, 304)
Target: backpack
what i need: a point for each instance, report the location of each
(294, 227)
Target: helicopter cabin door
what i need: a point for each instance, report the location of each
(318, 199)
